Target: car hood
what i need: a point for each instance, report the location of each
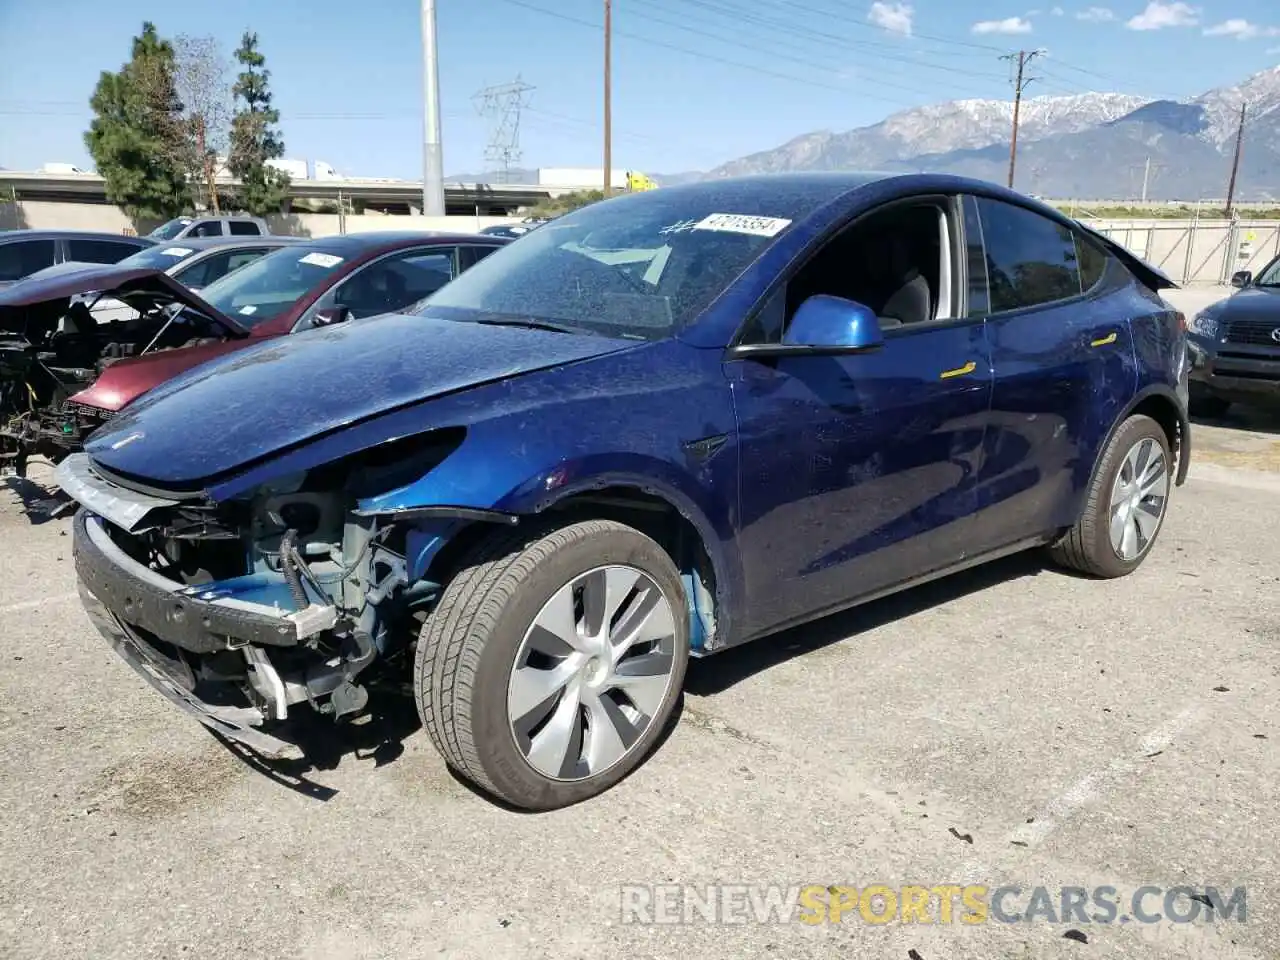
(67, 280)
(125, 380)
(1251, 303)
(225, 415)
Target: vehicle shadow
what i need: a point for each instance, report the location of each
(718, 673)
(40, 502)
(393, 717)
(1241, 417)
(378, 736)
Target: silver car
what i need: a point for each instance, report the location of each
(183, 228)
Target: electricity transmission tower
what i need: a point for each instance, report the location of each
(1022, 58)
(502, 104)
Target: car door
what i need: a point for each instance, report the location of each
(857, 472)
(1063, 361)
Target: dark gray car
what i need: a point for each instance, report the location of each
(23, 252)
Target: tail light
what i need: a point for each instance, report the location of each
(1182, 320)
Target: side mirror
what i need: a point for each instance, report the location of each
(826, 324)
(327, 318)
(1241, 279)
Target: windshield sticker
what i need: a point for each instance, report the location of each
(176, 252)
(321, 259)
(249, 309)
(739, 223)
(680, 226)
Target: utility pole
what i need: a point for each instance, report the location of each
(608, 98)
(432, 156)
(1146, 179)
(1023, 57)
(1235, 162)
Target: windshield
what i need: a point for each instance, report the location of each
(1270, 275)
(270, 285)
(167, 231)
(642, 266)
(160, 257)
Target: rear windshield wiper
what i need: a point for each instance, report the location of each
(527, 322)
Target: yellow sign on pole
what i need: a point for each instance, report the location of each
(638, 181)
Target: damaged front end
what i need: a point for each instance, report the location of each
(240, 611)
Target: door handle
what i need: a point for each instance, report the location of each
(967, 369)
(1104, 341)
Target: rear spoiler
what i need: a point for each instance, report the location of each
(1153, 277)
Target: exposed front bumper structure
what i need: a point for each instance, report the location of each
(196, 618)
(234, 723)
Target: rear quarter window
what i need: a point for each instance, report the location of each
(1092, 260)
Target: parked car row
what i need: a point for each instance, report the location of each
(657, 427)
(79, 342)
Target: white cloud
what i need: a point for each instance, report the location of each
(1096, 15)
(1007, 25)
(1241, 29)
(1057, 11)
(1159, 15)
(1273, 50)
(894, 17)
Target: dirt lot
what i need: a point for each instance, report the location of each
(1013, 725)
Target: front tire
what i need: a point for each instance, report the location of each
(553, 661)
(1126, 505)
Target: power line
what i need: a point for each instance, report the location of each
(775, 27)
(829, 14)
(700, 54)
(773, 52)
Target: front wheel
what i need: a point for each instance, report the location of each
(1126, 503)
(553, 661)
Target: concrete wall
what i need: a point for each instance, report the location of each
(1197, 252)
(98, 216)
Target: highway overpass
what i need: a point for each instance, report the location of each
(387, 196)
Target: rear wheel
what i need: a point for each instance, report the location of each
(553, 661)
(1126, 503)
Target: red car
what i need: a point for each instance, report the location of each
(63, 374)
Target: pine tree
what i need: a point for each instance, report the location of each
(255, 137)
(136, 137)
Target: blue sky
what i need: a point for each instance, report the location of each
(696, 82)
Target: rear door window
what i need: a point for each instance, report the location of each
(245, 228)
(24, 257)
(99, 251)
(1031, 260)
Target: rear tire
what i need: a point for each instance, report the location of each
(526, 669)
(1126, 504)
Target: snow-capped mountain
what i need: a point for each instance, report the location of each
(1092, 145)
(937, 128)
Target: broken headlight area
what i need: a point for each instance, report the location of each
(286, 596)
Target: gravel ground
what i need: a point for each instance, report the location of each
(1011, 725)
